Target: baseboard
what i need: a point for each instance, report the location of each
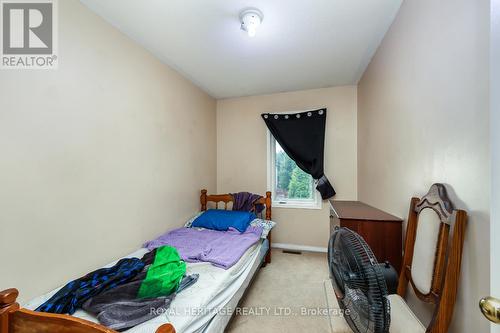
(295, 247)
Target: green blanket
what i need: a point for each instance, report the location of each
(164, 274)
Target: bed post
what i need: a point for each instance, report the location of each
(165, 328)
(7, 305)
(203, 200)
(268, 205)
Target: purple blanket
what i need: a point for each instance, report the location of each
(244, 201)
(221, 248)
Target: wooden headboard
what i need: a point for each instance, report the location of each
(227, 198)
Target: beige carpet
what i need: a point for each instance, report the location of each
(292, 294)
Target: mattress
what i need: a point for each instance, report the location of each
(200, 306)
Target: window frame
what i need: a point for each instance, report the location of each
(316, 203)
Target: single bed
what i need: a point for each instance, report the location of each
(207, 306)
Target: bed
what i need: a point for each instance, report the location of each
(207, 306)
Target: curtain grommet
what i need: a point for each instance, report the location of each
(276, 117)
(309, 114)
(298, 115)
(286, 117)
(320, 112)
(266, 116)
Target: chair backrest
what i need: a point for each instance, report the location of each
(433, 253)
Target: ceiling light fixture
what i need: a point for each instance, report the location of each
(250, 20)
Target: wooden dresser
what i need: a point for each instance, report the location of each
(382, 231)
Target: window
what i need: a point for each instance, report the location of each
(290, 186)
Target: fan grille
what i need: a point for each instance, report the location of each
(358, 282)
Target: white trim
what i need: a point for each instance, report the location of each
(495, 155)
(269, 162)
(295, 247)
(316, 203)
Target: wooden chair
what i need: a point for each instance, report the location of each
(431, 264)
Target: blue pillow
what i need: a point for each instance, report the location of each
(217, 219)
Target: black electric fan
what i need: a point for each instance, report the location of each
(359, 283)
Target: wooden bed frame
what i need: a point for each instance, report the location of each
(13, 319)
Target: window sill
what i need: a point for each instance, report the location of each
(294, 205)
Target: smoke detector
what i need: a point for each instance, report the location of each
(250, 20)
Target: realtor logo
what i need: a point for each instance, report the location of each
(28, 34)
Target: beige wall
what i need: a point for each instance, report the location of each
(242, 154)
(96, 157)
(423, 118)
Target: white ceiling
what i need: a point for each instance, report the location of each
(301, 44)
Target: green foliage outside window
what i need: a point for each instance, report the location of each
(292, 182)
(300, 185)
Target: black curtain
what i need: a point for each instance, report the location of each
(302, 137)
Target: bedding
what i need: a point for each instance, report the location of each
(267, 225)
(228, 300)
(164, 273)
(119, 308)
(222, 220)
(221, 248)
(189, 222)
(245, 201)
(122, 296)
(186, 311)
(215, 288)
(75, 293)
